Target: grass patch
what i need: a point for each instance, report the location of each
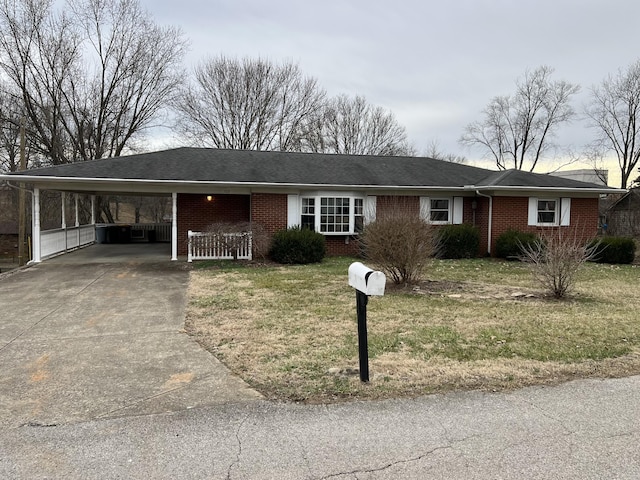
(291, 331)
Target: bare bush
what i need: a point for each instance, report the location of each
(555, 257)
(261, 241)
(400, 242)
(232, 237)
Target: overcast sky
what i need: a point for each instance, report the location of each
(434, 64)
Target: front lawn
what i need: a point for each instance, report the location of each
(291, 331)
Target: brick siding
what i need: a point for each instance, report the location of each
(196, 213)
(513, 213)
(270, 211)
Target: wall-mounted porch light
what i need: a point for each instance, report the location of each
(209, 198)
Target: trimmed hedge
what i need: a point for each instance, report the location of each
(614, 250)
(458, 241)
(509, 244)
(297, 246)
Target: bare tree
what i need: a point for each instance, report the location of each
(517, 130)
(433, 151)
(37, 52)
(248, 104)
(10, 119)
(350, 125)
(134, 67)
(92, 78)
(614, 111)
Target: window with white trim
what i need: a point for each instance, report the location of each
(332, 215)
(308, 213)
(442, 210)
(439, 210)
(547, 212)
(358, 215)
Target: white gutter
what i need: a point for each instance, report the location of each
(211, 183)
(490, 223)
(518, 188)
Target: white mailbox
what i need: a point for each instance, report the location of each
(366, 280)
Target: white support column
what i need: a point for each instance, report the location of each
(35, 227)
(63, 201)
(77, 215)
(174, 226)
(93, 209)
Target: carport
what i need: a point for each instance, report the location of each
(48, 243)
(203, 192)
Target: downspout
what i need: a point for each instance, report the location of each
(35, 226)
(174, 226)
(490, 219)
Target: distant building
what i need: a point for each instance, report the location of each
(590, 175)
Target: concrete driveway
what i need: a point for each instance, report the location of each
(98, 333)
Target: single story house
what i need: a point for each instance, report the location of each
(334, 194)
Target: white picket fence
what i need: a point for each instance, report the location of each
(53, 242)
(215, 246)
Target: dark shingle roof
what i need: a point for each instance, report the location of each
(519, 178)
(245, 166)
(259, 167)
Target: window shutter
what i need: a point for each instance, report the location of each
(293, 210)
(370, 208)
(565, 212)
(458, 203)
(533, 211)
(425, 208)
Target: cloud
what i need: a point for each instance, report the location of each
(435, 64)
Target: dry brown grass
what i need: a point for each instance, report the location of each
(290, 332)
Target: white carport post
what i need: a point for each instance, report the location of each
(174, 226)
(77, 216)
(93, 209)
(35, 227)
(63, 201)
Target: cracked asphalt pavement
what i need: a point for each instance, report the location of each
(89, 395)
(581, 430)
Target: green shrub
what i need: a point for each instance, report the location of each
(509, 244)
(297, 245)
(459, 241)
(615, 250)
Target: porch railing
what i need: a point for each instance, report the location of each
(216, 246)
(162, 230)
(61, 240)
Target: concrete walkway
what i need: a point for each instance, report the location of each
(98, 333)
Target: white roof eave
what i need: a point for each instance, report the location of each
(593, 190)
(146, 185)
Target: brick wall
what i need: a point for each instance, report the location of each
(390, 204)
(270, 211)
(196, 213)
(513, 213)
(478, 217)
(341, 245)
